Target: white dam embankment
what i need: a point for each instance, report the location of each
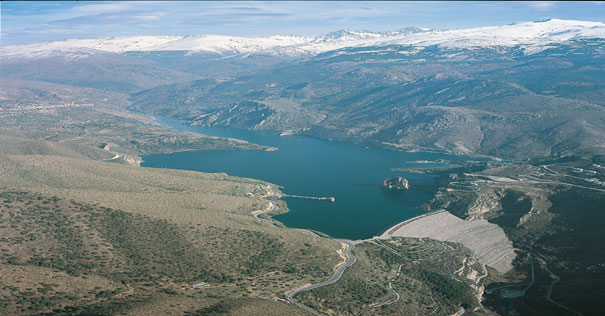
(487, 241)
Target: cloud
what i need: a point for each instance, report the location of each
(103, 7)
(21, 21)
(232, 19)
(542, 5)
(146, 17)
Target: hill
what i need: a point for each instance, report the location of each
(84, 230)
(82, 122)
(128, 237)
(480, 101)
(550, 210)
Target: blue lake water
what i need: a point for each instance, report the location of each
(315, 167)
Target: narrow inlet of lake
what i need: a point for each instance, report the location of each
(314, 167)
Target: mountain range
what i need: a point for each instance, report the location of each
(514, 91)
(90, 232)
(533, 36)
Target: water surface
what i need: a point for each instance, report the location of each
(315, 167)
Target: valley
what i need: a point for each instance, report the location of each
(232, 175)
(395, 98)
(549, 208)
(310, 167)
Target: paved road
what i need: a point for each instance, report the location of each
(397, 295)
(556, 279)
(272, 205)
(351, 259)
(552, 284)
(529, 285)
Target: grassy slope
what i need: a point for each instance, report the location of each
(75, 118)
(426, 287)
(139, 235)
(22, 93)
(119, 132)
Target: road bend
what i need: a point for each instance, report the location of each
(351, 259)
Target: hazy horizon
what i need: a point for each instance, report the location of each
(31, 22)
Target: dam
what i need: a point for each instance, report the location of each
(329, 198)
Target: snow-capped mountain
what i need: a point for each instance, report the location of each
(534, 36)
(529, 34)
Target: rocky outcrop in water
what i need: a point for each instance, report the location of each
(397, 183)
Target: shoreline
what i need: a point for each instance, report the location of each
(272, 190)
(379, 146)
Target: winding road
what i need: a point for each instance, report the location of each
(529, 285)
(349, 244)
(397, 295)
(351, 259)
(271, 192)
(555, 280)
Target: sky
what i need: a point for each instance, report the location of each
(30, 22)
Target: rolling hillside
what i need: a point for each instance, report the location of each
(128, 237)
(472, 101)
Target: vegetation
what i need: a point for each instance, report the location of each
(79, 236)
(549, 206)
(489, 101)
(430, 280)
(98, 133)
(247, 307)
(156, 234)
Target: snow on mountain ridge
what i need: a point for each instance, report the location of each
(522, 33)
(109, 44)
(533, 35)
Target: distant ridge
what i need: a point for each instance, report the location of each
(534, 34)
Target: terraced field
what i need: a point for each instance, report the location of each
(487, 241)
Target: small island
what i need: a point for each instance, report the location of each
(397, 183)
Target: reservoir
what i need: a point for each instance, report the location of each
(314, 167)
